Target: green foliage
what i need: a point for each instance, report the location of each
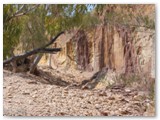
(11, 31)
(140, 82)
(89, 20)
(148, 22)
(33, 33)
(65, 17)
(30, 29)
(128, 80)
(128, 15)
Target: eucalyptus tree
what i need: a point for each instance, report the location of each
(130, 15)
(27, 25)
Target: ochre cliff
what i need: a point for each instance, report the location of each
(122, 49)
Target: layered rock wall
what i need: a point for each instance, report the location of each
(125, 50)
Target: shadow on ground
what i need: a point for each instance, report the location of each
(52, 79)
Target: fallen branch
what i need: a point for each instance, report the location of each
(42, 49)
(50, 50)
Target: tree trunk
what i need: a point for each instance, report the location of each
(49, 62)
(34, 65)
(14, 64)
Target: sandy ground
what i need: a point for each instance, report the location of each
(29, 95)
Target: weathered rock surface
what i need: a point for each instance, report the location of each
(120, 48)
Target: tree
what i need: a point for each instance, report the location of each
(27, 25)
(126, 15)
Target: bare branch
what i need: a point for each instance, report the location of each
(35, 51)
(53, 40)
(18, 11)
(17, 14)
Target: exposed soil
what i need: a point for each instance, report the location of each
(57, 93)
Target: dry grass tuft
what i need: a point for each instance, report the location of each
(138, 82)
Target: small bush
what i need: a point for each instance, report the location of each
(139, 82)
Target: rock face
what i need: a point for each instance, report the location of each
(122, 49)
(82, 56)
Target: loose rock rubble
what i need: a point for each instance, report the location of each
(29, 95)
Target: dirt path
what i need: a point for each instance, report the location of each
(26, 95)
